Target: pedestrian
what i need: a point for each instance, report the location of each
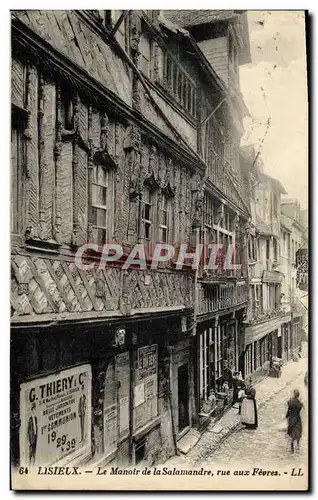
(236, 387)
(306, 379)
(249, 416)
(294, 428)
(238, 390)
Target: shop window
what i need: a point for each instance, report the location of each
(18, 173)
(102, 204)
(140, 449)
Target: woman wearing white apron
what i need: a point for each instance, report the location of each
(249, 409)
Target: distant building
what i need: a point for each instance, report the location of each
(268, 325)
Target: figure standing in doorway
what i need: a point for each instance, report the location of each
(32, 435)
(82, 413)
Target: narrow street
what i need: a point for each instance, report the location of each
(267, 444)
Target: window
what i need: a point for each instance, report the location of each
(275, 205)
(267, 249)
(204, 363)
(146, 55)
(140, 449)
(258, 298)
(102, 204)
(210, 235)
(213, 149)
(257, 355)
(17, 172)
(146, 215)
(165, 221)
(67, 110)
(175, 80)
(275, 249)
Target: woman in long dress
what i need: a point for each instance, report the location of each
(249, 416)
(294, 428)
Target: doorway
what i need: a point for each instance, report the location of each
(183, 397)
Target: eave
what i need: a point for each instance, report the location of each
(35, 47)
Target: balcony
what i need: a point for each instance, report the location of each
(221, 174)
(219, 297)
(47, 289)
(221, 274)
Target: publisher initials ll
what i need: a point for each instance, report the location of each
(294, 473)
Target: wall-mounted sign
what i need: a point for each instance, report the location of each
(146, 386)
(55, 413)
(272, 277)
(147, 361)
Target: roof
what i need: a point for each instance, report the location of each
(188, 18)
(275, 183)
(285, 223)
(193, 18)
(174, 28)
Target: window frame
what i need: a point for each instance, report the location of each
(170, 74)
(108, 208)
(164, 213)
(146, 223)
(18, 176)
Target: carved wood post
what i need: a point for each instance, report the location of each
(90, 168)
(75, 171)
(41, 157)
(58, 164)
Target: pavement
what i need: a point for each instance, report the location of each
(228, 438)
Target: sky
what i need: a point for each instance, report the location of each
(274, 86)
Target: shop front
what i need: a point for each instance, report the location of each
(217, 361)
(97, 394)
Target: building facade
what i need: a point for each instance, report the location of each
(122, 132)
(268, 325)
(294, 219)
(222, 294)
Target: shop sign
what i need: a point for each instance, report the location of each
(55, 413)
(146, 386)
(147, 362)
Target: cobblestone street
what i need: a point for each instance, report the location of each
(267, 444)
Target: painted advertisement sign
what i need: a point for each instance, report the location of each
(55, 413)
